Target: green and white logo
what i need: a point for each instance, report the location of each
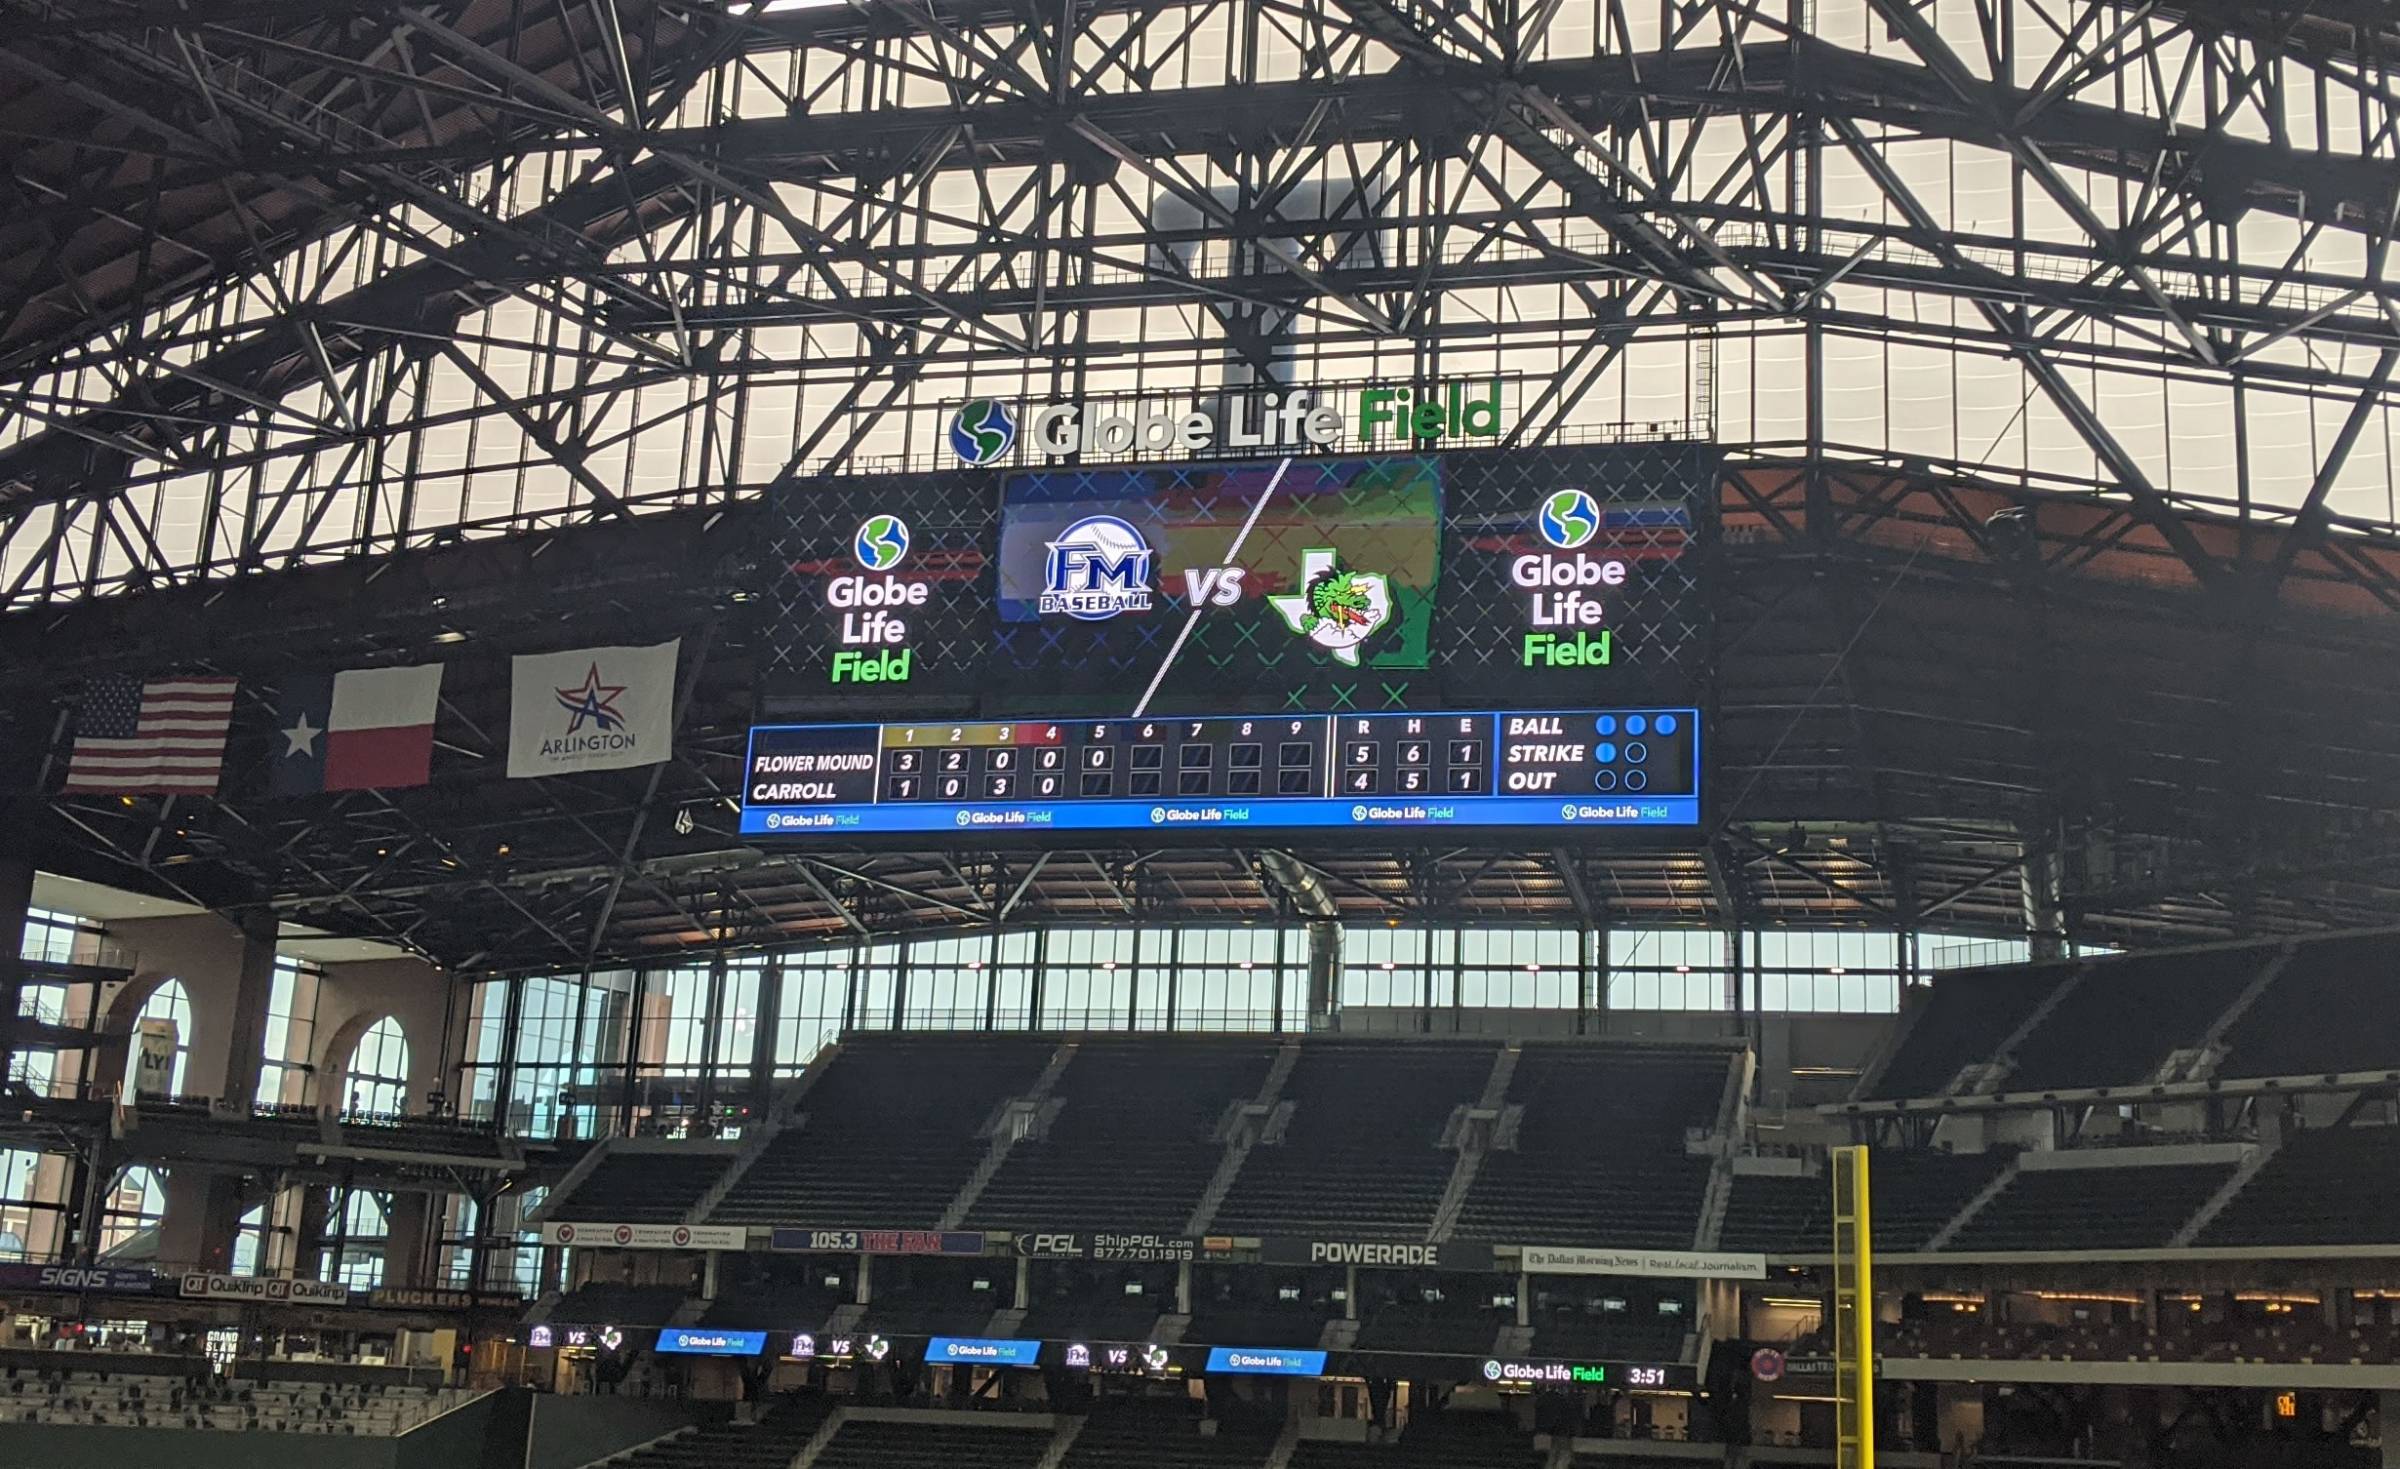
(1335, 608)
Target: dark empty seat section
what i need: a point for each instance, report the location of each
(930, 1296)
(1458, 1325)
(1966, 1016)
(1087, 1318)
(1132, 1145)
(1599, 1156)
(2330, 1009)
(888, 1135)
(1259, 1324)
(1779, 1214)
(771, 1443)
(872, 1445)
(643, 1187)
(777, 1293)
(2332, 1186)
(1632, 1335)
(2117, 1208)
(1164, 1436)
(1361, 1157)
(1440, 1441)
(1912, 1195)
(619, 1305)
(2126, 1015)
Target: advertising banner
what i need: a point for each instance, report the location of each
(154, 1058)
(981, 1350)
(692, 1341)
(1455, 1255)
(1267, 1361)
(1669, 1264)
(879, 1241)
(198, 1286)
(1104, 1245)
(648, 1236)
(116, 1279)
(397, 1298)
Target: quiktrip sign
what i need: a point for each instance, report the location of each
(200, 1286)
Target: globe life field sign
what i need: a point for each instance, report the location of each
(1456, 413)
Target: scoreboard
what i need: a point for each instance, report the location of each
(1492, 768)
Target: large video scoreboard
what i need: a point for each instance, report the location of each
(1619, 767)
(1466, 640)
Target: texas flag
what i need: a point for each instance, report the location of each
(358, 730)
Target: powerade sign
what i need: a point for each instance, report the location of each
(1266, 1361)
(983, 1351)
(691, 1341)
(986, 431)
(1456, 1255)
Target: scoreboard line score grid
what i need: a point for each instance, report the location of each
(1628, 767)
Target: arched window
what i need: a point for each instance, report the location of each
(137, 1203)
(360, 1224)
(376, 1080)
(249, 1241)
(172, 1003)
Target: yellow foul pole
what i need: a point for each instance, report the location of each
(1853, 1313)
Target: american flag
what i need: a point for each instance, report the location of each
(160, 737)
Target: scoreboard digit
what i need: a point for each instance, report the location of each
(1554, 768)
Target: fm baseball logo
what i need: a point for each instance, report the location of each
(881, 542)
(1569, 519)
(982, 431)
(1097, 568)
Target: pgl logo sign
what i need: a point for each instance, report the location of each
(1050, 1246)
(1097, 568)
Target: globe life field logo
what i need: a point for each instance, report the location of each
(881, 542)
(1565, 610)
(1569, 518)
(982, 431)
(873, 628)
